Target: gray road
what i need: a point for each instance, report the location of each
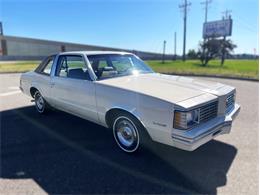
(59, 153)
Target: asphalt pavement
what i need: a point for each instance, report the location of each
(62, 154)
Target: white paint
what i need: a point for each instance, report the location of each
(13, 88)
(151, 98)
(9, 93)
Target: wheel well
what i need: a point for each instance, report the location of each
(111, 114)
(33, 90)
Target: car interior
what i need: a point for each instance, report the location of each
(73, 67)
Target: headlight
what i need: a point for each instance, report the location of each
(185, 120)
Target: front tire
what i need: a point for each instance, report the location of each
(128, 132)
(40, 103)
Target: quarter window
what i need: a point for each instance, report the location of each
(46, 65)
(47, 69)
(72, 66)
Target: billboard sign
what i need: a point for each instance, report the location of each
(218, 28)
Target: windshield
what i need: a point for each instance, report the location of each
(114, 65)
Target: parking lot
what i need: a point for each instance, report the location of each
(62, 154)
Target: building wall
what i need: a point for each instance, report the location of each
(15, 48)
(30, 49)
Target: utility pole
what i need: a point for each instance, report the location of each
(206, 3)
(164, 47)
(175, 47)
(226, 15)
(1, 29)
(255, 53)
(184, 7)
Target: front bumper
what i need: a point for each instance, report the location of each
(192, 139)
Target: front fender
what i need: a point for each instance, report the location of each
(155, 114)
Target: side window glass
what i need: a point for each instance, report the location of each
(72, 66)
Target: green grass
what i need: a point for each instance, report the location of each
(234, 68)
(18, 66)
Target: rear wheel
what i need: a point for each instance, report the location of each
(128, 132)
(40, 103)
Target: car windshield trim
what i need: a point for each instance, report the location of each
(107, 66)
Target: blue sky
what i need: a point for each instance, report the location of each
(131, 24)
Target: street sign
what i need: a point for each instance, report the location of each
(220, 28)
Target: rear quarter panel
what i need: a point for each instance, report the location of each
(26, 82)
(38, 81)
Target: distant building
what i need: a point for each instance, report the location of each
(20, 48)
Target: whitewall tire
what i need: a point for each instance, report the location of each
(128, 132)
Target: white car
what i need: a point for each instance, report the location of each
(119, 91)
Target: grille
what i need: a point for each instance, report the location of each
(230, 102)
(209, 111)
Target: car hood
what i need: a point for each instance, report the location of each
(167, 87)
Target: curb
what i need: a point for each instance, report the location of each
(214, 76)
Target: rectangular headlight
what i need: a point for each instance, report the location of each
(185, 120)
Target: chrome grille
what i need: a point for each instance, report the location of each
(209, 111)
(230, 102)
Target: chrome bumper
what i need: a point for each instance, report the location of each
(192, 139)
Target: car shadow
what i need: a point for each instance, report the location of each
(66, 154)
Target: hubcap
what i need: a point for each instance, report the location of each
(39, 102)
(126, 134)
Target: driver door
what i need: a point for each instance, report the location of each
(72, 89)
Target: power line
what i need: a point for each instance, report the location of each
(184, 7)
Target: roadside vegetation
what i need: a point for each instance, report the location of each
(214, 48)
(234, 68)
(18, 66)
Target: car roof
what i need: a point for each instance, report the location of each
(95, 52)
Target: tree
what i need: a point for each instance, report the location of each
(226, 47)
(213, 48)
(192, 54)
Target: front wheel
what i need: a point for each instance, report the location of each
(128, 132)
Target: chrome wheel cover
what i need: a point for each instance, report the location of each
(39, 102)
(126, 134)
